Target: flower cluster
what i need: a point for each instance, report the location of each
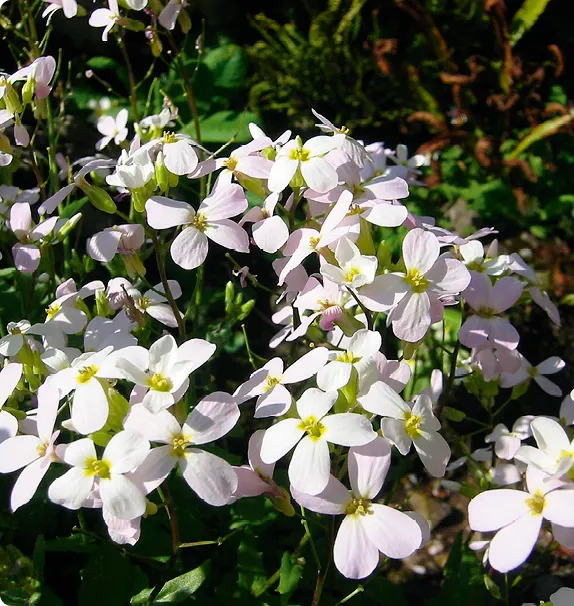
(102, 390)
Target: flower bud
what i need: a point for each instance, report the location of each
(28, 91)
(10, 97)
(98, 197)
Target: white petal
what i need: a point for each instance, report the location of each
(306, 366)
(121, 497)
(434, 452)
(125, 451)
(316, 403)
(280, 438)
(310, 466)
(334, 375)
(348, 429)
(71, 489)
(18, 452)
(27, 483)
(332, 500)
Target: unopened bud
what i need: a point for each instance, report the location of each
(28, 90)
(98, 197)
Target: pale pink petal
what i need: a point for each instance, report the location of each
(477, 293)
(548, 386)
(434, 452)
(503, 334)
(163, 213)
(274, 403)
(306, 366)
(494, 509)
(228, 234)
(331, 501)
(212, 418)
(411, 317)
(17, 452)
(368, 467)
(26, 257)
(270, 234)
(448, 276)
(474, 331)
(355, 555)
(71, 489)
(559, 507)
(212, 478)
(384, 293)
(121, 497)
(394, 533)
(420, 250)
(189, 249)
(224, 202)
(27, 483)
(551, 365)
(348, 429)
(505, 293)
(104, 245)
(319, 174)
(125, 451)
(512, 545)
(280, 438)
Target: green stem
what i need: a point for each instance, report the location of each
(165, 284)
(131, 78)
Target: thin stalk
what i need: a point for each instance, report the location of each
(131, 78)
(165, 284)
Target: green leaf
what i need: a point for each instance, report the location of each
(73, 208)
(228, 65)
(102, 63)
(542, 131)
(179, 589)
(106, 579)
(224, 126)
(452, 414)
(289, 575)
(525, 17)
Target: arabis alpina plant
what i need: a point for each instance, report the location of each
(109, 365)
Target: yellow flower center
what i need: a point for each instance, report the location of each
(351, 274)
(199, 222)
(230, 163)
(86, 373)
(301, 154)
(359, 507)
(476, 265)
(486, 312)
(347, 357)
(178, 444)
(536, 503)
(142, 302)
(271, 382)
(416, 280)
(42, 448)
(169, 138)
(413, 425)
(159, 382)
(52, 310)
(533, 371)
(15, 331)
(98, 468)
(314, 241)
(314, 428)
